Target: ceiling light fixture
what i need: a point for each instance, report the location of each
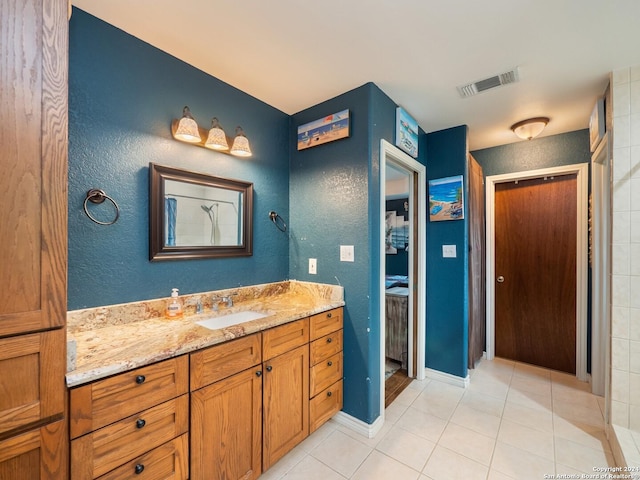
(530, 128)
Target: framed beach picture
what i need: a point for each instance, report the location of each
(324, 130)
(406, 132)
(446, 199)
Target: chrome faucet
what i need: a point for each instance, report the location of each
(225, 299)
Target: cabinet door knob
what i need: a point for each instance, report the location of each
(269, 368)
(330, 363)
(329, 393)
(329, 315)
(139, 468)
(140, 423)
(329, 340)
(259, 373)
(140, 379)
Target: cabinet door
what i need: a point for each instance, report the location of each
(35, 454)
(31, 379)
(286, 403)
(226, 428)
(33, 185)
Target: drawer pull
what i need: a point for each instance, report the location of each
(140, 423)
(330, 363)
(259, 373)
(140, 380)
(139, 468)
(329, 393)
(329, 340)
(269, 368)
(329, 315)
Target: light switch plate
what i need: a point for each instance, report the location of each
(313, 266)
(449, 251)
(347, 253)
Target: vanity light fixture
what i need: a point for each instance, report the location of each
(216, 140)
(187, 129)
(530, 128)
(240, 147)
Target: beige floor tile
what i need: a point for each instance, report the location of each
(370, 442)
(530, 417)
(527, 370)
(532, 400)
(489, 386)
(582, 433)
(341, 453)
(286, 463)
(580, 457)
(533, 441)
(394, 411)
(496, 475)
(466, 442)
(483, 403)
(445, 464)
(311, 469)
(579, 413)
(422, 424)
(378, 466)
(577, 397)
(407, 396)
(475, 420)
(535, 385)
(520, 464)
(439, 400)
(568, 380)
(406, 447)
(312, 441)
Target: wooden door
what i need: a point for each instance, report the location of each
(286, 403)
(535, 242)
(477, 317)
(226, 428)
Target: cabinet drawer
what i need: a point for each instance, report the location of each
(105, 401)
(166, 462)
(101, 451)
(286, 337)
(325, 347)
(324, 374)
(325, 405)
(325, 323)
(221, 361)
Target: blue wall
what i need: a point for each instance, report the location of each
(123, 94)
(447, 286)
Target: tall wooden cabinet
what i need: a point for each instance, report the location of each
(33, 236)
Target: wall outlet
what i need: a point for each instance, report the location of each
(449, 251)
(313, 266)
(346, 253)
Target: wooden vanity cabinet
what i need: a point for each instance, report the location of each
(325, 393)
(133, 422)
(286, 387)
(226, 410)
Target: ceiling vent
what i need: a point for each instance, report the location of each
(471, 89)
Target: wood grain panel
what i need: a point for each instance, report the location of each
(325, 347)
(324, 374)
(221, 361)
(278, 340)
(325, 323)
(324, 406)
(477, 287)
(535, 241)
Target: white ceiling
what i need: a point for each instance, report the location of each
(293, 54)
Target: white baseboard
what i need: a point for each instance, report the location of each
(447, 378)
(363, 428)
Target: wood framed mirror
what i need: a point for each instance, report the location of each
(196, 215)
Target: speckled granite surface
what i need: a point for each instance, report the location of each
(117, 338)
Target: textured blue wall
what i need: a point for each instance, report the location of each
(123, 94)
(447, 291)
(564, 149)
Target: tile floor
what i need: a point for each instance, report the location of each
(514, 421)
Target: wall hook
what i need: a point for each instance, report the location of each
(278, 221)
(97, 196)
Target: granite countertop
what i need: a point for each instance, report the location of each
(111, 340)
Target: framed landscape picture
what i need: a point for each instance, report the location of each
(446, 201)
(406, 132)
(324, 130)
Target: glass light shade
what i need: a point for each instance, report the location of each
(187, 130)
(217, 140)
(531, 128)
(240, 147)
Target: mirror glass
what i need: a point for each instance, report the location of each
(195, 215)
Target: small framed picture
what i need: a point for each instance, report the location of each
(446, 199)
(406, 132)
(324, 130)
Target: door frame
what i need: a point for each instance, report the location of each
(582, 192)
(417, 279)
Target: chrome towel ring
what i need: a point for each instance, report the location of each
(97, 196)
(278, 221)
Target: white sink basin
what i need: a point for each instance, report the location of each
(230, 319)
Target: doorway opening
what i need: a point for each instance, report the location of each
(581, 250)
(402, 297)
